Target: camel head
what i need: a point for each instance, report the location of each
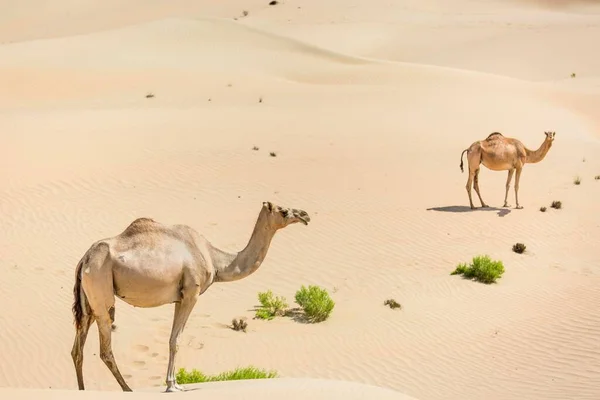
(280, 217)
(550, 136)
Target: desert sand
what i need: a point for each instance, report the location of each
(368, 105)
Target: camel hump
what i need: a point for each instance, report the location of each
(494, 134)
(141, 225)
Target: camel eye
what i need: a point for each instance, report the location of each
(284, 213)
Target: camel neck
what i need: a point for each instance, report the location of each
(534, 156)
(231, 267)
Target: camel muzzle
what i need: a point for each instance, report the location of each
(302, 216)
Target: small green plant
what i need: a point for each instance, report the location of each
(149, 95)
(573, 75)
(273, 154)
(239, 324)
(556, 205)
(255, 148)
(391, 303)
(519, 248)
(577, 180)
(195, 376)
(273, 2)
(270, 306)
(543, 209)
(315, 302)
(482, 269)
(597, 177)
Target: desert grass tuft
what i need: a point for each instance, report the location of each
(519, 248)
(195, 376)
(543, 209)
(239, 324)
(315, 302)
(556, 204)
(577, 180)
(481, 269)
(270, 306)
(391, 303)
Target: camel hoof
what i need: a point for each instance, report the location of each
(506, 205)
(519, 207)
(174, 388)
(485, 206)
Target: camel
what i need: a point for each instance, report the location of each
(149, 265)
(500, 153)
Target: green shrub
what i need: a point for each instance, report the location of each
(270, 306)
(195, 376)
(556, 204)
(315, 302)
(482, 269)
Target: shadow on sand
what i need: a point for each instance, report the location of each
(461, 209)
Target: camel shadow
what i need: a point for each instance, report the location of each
(462, 209)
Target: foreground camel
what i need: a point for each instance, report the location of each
(149, 265)
(500, 153)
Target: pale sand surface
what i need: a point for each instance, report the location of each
(368, 104)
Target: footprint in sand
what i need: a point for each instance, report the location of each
(155, 378)
(139, 363)
(127, 376)
(154, 355)
(141, 348)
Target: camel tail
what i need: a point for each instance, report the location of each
(80, 304)
(461, 160)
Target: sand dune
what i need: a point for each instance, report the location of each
(368, 106)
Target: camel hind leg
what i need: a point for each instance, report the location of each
(78, 345)
(97, 284)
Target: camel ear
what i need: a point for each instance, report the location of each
(268, 205)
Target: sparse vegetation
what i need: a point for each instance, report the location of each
(391, 303)
(577, 180)
(543, 209)
(315, 302)
(482, 269)
(149, 95)
(260, 99)
(270, 305)
(273, 154)
(245, 13)
(195, 376)
(273, 2)
(519, 248)
(597, 177)
(255, 148)
(239, 324)
(556, 205)
(573, 75)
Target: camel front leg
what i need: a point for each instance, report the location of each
(77, 352)
(510, 175)
(517, 179)
(476, 178)
(182, 313)
(106, 354)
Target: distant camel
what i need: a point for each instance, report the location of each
(500, 153)
(150, 264)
